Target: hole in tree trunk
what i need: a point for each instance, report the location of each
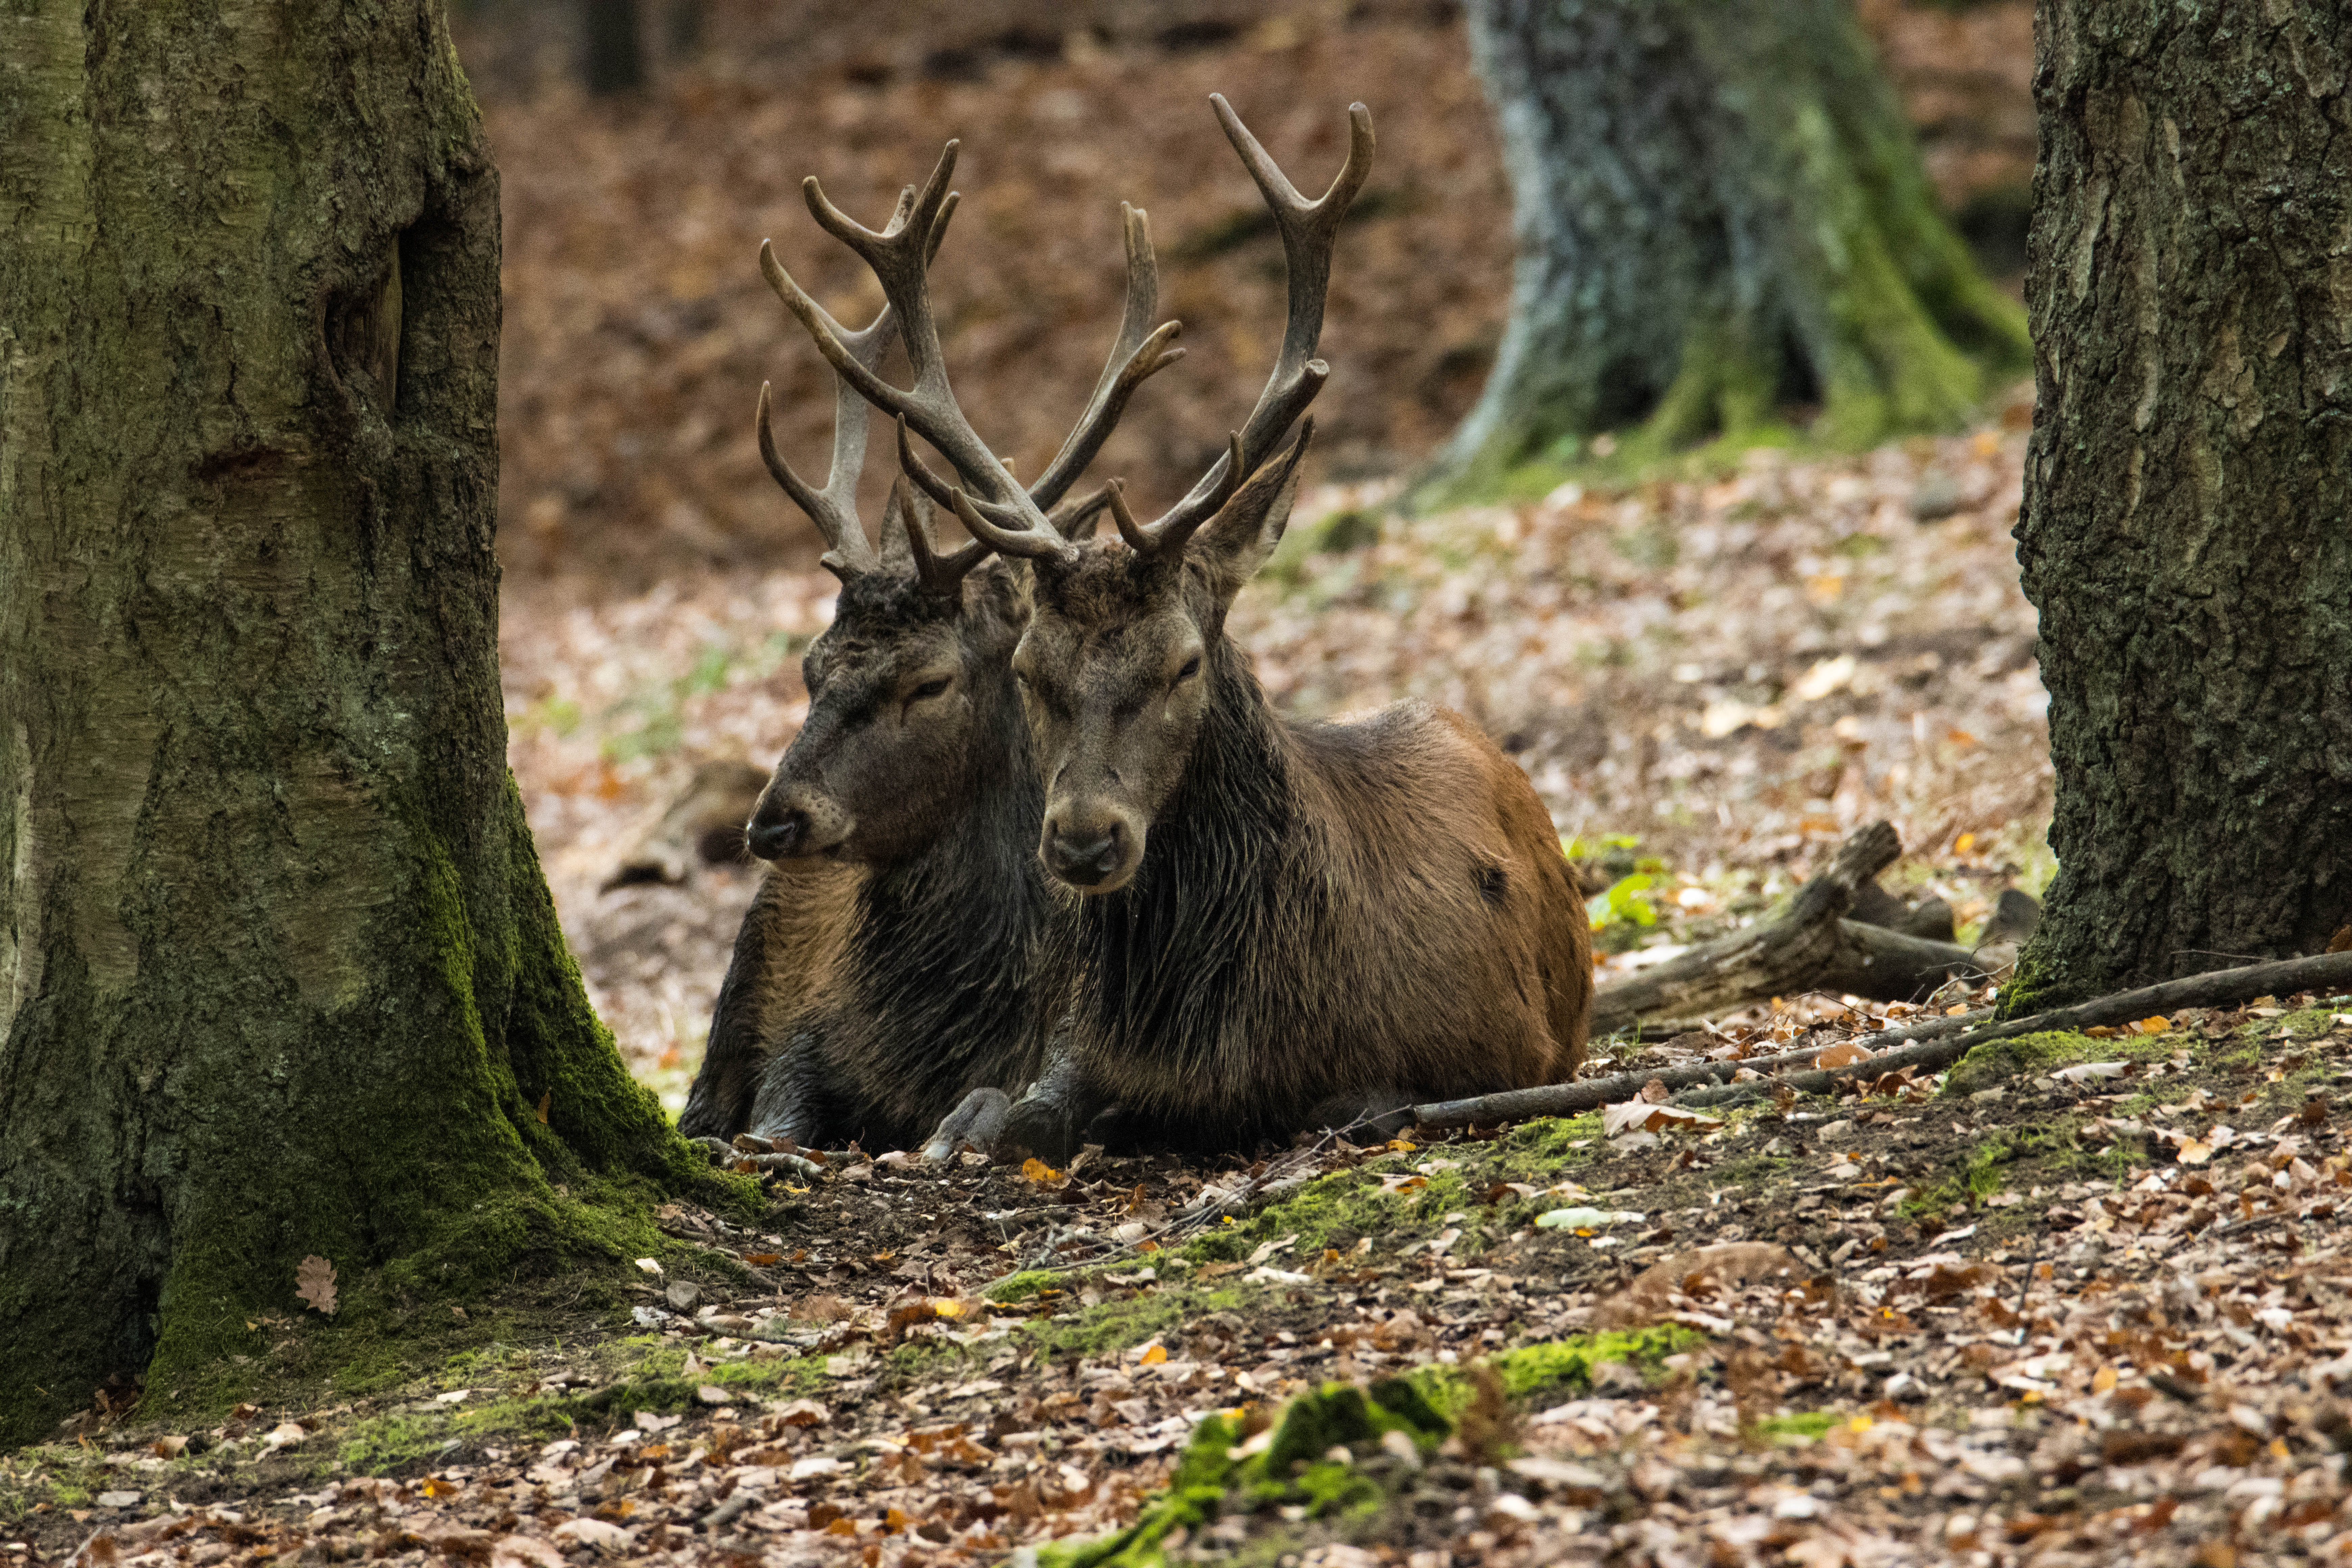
(1796, 386)
(1624, 393)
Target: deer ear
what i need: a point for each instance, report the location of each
(1236, 541)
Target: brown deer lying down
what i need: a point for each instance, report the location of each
(889, 963)
(1278, 924)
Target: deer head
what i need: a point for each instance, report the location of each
(910, 706)
(1126, 649)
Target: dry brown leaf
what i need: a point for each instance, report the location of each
(314, 1281)
(1729, 1264)
(1841, 1056)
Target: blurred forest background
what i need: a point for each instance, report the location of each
(1710, 679)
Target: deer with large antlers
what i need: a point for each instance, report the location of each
(1277, 924)
(890, 961)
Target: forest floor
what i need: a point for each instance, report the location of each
(2084, 1300)
(2080, 1299)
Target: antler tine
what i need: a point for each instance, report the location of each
(939, 574)
(1309, 230)
(1041, 542)
(1140, 351)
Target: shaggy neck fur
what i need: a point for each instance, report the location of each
(946, 940)
(1172, 964)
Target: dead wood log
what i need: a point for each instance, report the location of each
(1591, 1093)
(1809, 947)
(2214, 988)
(1932, 1046)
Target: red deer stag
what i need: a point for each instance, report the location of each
(889, 962)
(1276, 924)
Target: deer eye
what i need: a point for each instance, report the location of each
(931, 689)
(1191, 667)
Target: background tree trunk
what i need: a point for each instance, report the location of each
(613, 58)
(279, 972)
(2187, 532)
(1720, 213)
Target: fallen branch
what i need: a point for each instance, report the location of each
(1591, 1093)
(2214, 988)
(1930, 1046)
(1810, 946)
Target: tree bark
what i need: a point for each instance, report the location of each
(278, 973)
(2187, 530)
(1720, 213)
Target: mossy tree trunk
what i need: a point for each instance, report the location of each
(2186, 531)
(279, 972)
(1720, 214)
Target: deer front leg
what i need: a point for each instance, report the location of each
(977, 1121)
(719, 1106)
(1051, 1119)
(796, 1097)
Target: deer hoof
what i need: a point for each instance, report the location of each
(977, 1121)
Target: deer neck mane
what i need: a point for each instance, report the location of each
(947, 933)
(1170, 956)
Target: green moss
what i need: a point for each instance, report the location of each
(1994, 1062)
(1804, 1426)
(1562, 1365)
(1026, 1285)
(1112, 1326)
(1292, 1471)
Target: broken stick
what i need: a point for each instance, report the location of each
(1810, 946)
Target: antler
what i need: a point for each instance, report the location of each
(834, 508)
(1309, 230)
(929, 408)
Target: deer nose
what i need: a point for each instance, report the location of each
(1084, 863)
(776, 838)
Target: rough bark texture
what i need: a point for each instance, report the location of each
(278, 973)
(1720, 211)
(2186, 531)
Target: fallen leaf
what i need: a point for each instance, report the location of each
(2082, 1071)
(1154, 1355)
(435, 1486)
(2153, 1025)
(169, 1448)
(1042, 1174)
(1648, 1298)
(595, 1533)
(314, 1281)
(804, 1413)
(545, 1100)
(285, 1434)
(1841, 1056)
(1585, 1218)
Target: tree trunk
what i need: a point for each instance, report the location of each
(1721, 214)
(279, 972)
(2187, 532)
(613, 57)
